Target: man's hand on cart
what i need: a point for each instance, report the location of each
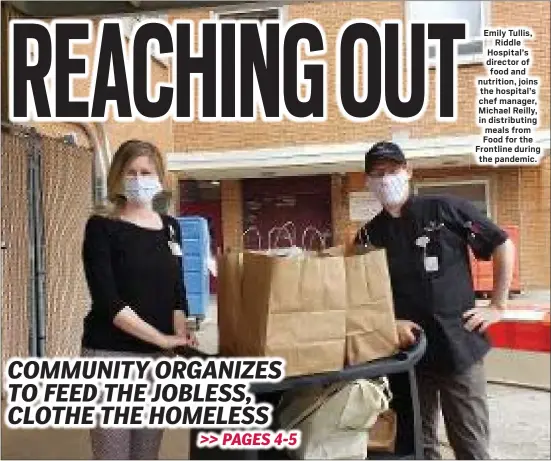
(406, 333)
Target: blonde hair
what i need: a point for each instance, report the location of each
(125, 154)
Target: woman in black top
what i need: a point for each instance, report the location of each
(132, 262)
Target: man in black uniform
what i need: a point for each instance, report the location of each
(427, 240)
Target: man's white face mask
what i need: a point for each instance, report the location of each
(392, 189)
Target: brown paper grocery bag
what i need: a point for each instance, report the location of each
(229, 301)
(382, 435)
(370, 321)
(295, 308)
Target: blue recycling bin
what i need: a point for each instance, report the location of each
(195, 249)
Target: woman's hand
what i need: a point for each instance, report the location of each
(169, 342)
(128, 321)
(189, 335)
(192, 339)
(182, 330)
(406, 333)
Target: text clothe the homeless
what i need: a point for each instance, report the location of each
(428, 255)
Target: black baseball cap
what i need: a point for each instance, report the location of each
(383, 151)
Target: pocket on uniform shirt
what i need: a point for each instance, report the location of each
(432, 261)
(443, 253)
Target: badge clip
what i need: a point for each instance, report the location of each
(175, 248)
(422, 241)
(433, 227)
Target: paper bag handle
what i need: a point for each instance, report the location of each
(364, 237)
(279, 230)
(255, 229)
(317, 232)
(294, 231)
(382, 389)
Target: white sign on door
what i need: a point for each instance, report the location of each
(363, 206)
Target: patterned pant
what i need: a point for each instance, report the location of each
(126, 443)
(123, 443)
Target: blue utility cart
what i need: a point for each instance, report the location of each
(196, 251)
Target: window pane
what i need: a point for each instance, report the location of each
(199, 191)
(475, 193)
(470, 11)
(470, 48)
(258, 15)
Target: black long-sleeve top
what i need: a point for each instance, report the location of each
(436, 296)
(129, 265)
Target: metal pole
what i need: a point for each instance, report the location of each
(40, 246)
(101, 161)
(32, 246)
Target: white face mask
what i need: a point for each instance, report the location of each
(142, 189)
(392, 189)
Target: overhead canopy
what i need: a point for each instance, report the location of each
(46, 9)
(297, 160)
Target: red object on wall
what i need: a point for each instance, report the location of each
(521, 335)
(483, 272)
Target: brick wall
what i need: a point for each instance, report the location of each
(338, 209)
(509, 200)
(534, 222)
(508, 205)
(331, 15)
(232, 214)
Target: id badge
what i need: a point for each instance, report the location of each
(175, 248)
(431, 263)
